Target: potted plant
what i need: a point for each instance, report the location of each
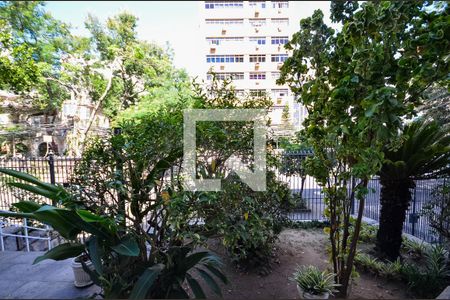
(82, 278)
(313, 283)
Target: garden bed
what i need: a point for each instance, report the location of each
(297, 247)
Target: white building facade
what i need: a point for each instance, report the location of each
(245, 40)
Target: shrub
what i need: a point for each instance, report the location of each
(430, 279)
(247, 221)
(313, 281)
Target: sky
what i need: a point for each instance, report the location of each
(175, 22)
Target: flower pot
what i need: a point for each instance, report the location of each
(305, 295)
(82, 279)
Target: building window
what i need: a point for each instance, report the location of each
(257, 58)
(280, 21)
(279, 40)
(223, 4)
(224, 21)
(280, 4)
(258, 40)
(222, 40)
(275, 75)
(227, 76)
(224, 58)
(258, 76)
(278, 57)
(257, 93)
(256, 4)
(279, 93)
(257, 22)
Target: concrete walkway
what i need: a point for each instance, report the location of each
(49, 279)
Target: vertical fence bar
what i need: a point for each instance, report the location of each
(2, 245)
(51, 165)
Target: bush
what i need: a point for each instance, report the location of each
(430, 279)
(247, 221)
(425, 279)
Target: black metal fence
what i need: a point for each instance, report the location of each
(416, 224)
(59, 170)
(51, 169)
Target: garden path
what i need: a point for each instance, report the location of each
(20, 279)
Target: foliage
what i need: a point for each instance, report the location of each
(438, 211)
(389, 270)
(313, 281)
(436, 106)
(428, 281)
(247, 221)
(424, 153)
(357, 85)
(33, 43)
(368, 233)
(414, 248)
(123, 266)
(304, 225)
(425, 278)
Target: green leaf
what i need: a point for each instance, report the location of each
(195, 287)
(127, 247)
(27, 206)
(217, 273)
(372, 109)
(194, 259)
(210, 281)
(29, 178)
(145, 282)
(34, 189)
(61, 252)
(87, 216)
(67, 223)
(93, 250)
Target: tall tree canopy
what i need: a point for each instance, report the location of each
(357, 85)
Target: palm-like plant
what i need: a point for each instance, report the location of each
(425, 153)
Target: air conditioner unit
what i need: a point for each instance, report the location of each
(256, 30)
(256, 83)
(222, 67)
(257, 48)
(256, 67)
(256, 14)
(279, 29)
(279, 66)
(212, 50)
(224, 31)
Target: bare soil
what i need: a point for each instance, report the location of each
(297, 247)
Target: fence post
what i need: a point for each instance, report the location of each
(414, 217)
(27, 240)
(51, 164)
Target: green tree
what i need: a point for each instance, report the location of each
(425, 153)
(33, 43)
(357, 85)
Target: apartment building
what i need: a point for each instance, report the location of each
(244, 40)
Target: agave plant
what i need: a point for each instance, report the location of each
(315, 282)
(425, 153)
(121, 268)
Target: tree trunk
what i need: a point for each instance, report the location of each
(394, 199)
